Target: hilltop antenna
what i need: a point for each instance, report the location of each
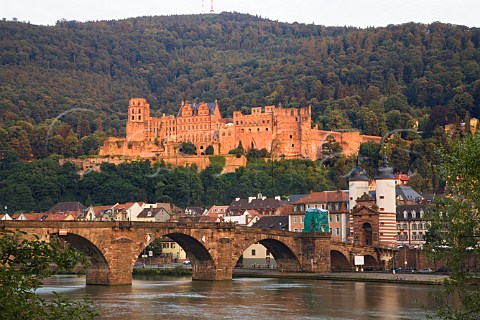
(211, 7)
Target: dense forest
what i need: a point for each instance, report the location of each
(65, 88)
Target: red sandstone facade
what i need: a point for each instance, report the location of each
(284, 132)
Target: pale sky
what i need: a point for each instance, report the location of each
(359, 13)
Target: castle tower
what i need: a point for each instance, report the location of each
(138, 117)
(386, 203)
(357, 186)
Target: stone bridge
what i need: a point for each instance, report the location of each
(213, 248)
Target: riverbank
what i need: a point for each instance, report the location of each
(178, 271)
(406, 278)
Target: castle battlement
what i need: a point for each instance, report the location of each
(281, 131)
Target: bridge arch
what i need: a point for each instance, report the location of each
(370, 261)
(284, 256)
(98, 271)
(203, 264)
(201, 260)
(338, 261)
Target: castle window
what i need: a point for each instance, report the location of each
(293, 145)
(266, 129)
(133, 117)
(139, 117)
(291, 136)
(382, 197)
(250, 130)
(258, 129)
(139, 111)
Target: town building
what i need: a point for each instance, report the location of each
(158, 214)
(262, 205)
(411, 225)
(171, 250)
(336, 202)
(285, 132)
(77, 209)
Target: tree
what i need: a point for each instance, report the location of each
(455, 226)
(188, 148)
(238, 151)
(23, 265)
(209, 150)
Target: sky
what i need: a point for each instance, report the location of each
(358, 13)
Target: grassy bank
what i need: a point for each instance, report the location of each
(175, 272)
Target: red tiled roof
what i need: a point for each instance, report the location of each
(35, 216)
(324, 197)
(58, 216)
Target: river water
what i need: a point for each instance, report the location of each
(249, 298)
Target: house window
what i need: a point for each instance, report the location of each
(267, 253)
(253, 252)
(337, 218)
(337, 231)
(382, 197)
(172, 245)
(294, 219)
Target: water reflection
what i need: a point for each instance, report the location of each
(248, 298)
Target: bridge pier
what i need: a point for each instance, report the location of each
(316, 253)
(221, 266)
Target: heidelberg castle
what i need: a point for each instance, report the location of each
(284, 132)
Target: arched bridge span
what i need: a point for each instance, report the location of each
(213, 248)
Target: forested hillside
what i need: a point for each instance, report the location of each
(409, 76)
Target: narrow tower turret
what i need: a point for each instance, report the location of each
(386, 202)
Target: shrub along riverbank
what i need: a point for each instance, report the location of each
(177, 271)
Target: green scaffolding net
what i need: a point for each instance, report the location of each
(316, 220)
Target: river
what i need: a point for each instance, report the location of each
(249, 298)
